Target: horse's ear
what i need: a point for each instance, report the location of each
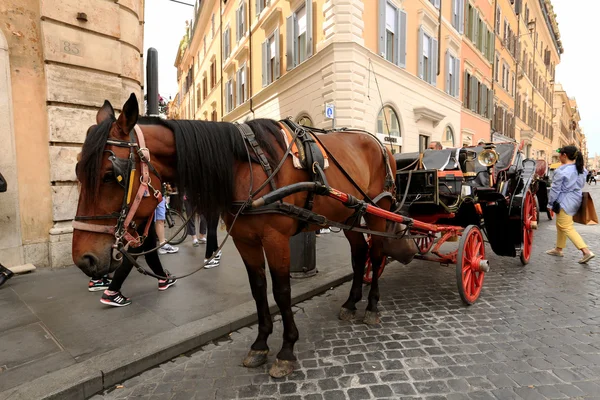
(129, 116)
(105, 112)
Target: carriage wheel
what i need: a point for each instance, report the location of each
(368, 277)
(470, 264)
(529, 219)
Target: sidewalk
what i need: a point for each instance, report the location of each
(50, 322)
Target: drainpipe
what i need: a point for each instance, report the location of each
(493, 111)
(439, 39)
(221, 41)
(249, 63)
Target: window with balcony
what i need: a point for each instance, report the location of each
(241, 85)
(428, 49)
(392, 33)
(299, 35)
(270, 59)
(240, 22)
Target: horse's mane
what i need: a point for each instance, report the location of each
(90, 160)
(206, 152)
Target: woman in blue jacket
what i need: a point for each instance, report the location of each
(565, 195)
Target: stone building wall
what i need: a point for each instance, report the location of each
(67, 57)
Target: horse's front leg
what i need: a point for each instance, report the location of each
(254, 260)
(277, 250)
(376, 256)
(358, 249)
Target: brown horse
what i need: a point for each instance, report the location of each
(209, 162)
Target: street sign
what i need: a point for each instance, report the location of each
(329, 111)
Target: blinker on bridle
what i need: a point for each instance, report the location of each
(124, 172)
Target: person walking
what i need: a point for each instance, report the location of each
(112, 296)
(212, 242)
(199, 239)
(565, 199)
(159, 219)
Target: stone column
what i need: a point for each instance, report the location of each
(93, 51)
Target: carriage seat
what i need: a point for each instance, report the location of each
(406, 160)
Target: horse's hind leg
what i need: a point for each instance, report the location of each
(358, 248)
(254, 259)
(376, 255)
(277, 250)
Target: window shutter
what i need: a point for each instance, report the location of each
(233, 92)
(402, 39)
(277, 71)
(436, 3)
(309, 28)
(461, 16)
(456, 77)
(243, 17)
(265, 63)
(466, 90)
(473, 93)
(238, 87)
(238, 31)
(257, 8)
(490, 104)
(396, 37)
(420, 52)
(483, 102)
(289, 42)
(447, 63)
(381, 28)
(434, 62)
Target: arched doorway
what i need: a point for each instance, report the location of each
(388, 128)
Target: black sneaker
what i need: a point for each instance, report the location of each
(165, 284)
(99, 284)
(115, 300)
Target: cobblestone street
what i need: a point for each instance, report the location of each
(533, 334)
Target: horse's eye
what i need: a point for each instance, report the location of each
(109, 176)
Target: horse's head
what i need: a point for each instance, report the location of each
(113, 203)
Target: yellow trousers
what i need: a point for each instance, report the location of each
(565, 229)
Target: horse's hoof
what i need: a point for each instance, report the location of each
(371, 318)
(281, 368)
(255, 358)
(346, 314)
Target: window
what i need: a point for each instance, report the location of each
(496, 66)
(260, 5)
(448, 140)
(204, 87)
(213, 74)
(436, 3)
(452, 75)
(198, 96)
(526, 14)
(392, 33)
(229, 96)
(458, 15)
(204, 45)
(213, 115)
(423, 143)
(270, 59)
(226, 43)
(212, 26)
(241, 85)
(388, 125)
(498, 19)
(299, 36)
(240, 22)
(305, 121)
(428, 48)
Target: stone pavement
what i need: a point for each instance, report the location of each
(49, 321)
(533, 334)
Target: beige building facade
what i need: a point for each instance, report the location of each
(381, 64)
(59, 60)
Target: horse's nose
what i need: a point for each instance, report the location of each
(88, 263)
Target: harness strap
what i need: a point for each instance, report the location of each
(264, 162)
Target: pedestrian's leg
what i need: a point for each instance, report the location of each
(212, 242)
(561, 226)
(575, 237)
(191, 226)
(203, 227)
(159, 228)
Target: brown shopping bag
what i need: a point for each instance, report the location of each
(586, 214)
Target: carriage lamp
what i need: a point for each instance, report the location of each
(488, 157)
